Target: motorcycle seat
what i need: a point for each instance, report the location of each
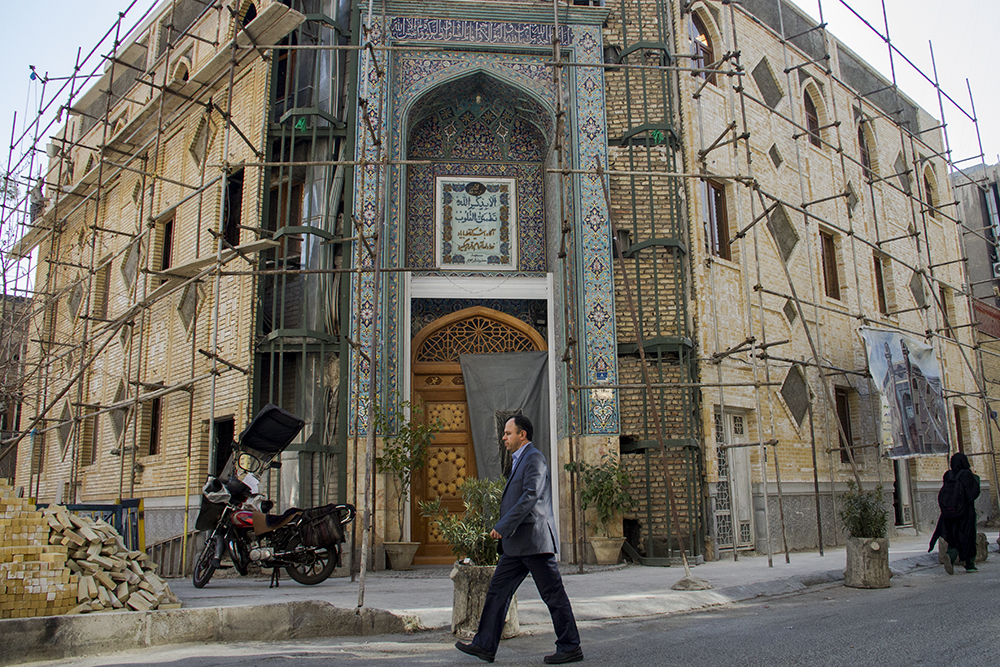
(265, 523)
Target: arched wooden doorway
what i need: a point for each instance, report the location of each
(438, 387)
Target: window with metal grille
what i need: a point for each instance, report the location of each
(828, 250)
(723, 508)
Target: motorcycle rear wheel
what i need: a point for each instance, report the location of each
(203, 566)
(316, 566)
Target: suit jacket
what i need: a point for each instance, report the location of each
(526, 523)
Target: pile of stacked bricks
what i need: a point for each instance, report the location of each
(34, 579)
(55, 562)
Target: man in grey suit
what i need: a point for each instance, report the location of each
(527, 535)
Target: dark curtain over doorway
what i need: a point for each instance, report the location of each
(500, 385)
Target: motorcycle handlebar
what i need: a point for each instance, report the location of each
(349, 513)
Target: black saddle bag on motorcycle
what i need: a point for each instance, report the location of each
(322, 527)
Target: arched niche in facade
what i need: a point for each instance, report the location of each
(476, 130)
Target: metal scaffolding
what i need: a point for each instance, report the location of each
(294, 159)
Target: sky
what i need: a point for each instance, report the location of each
(47, 33)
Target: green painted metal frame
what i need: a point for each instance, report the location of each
(658, 271)
(277, 347)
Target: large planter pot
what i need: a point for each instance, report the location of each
(401, 554)
(607, 550)
(867, 563)
(471, 584)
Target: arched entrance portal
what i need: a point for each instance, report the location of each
(438, 386)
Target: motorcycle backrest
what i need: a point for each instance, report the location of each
(270, 432)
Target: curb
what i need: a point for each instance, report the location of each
(802, 582)
(56, 637)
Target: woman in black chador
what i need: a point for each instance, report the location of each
(957, 523)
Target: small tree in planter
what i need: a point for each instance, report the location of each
(402, 454)
(468, 535)
(865, 518)
(605, 487)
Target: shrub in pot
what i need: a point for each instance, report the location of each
(468, 535)
(605, 488)
(865, 518)
(402, 453)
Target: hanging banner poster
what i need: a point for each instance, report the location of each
(913, 413)
(477, 223)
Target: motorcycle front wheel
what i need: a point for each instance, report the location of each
(204, 567)
(313, 566)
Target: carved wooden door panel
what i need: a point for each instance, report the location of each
(439, 388)
(451, 458)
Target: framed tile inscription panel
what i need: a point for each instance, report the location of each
(476, 223)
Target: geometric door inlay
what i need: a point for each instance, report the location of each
(446, 471)
(475, 335)
(452, 416)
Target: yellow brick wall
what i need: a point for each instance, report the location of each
(160, 349)
(729, 308)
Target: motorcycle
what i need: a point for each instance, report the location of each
(306, 543)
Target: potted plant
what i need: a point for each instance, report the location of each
(605, 488)
(865, 518)
(402, 453)
(468, 535)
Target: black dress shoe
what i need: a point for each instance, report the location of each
(558, 658)
(480, 653)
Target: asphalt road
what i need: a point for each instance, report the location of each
(926, 617)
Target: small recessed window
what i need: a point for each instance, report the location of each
(93, 439)
(233, 208)
(929, 195)
(166, 248)
(946, 304)
(704, 55)
(716, 219)
(812, 120)
(831, 279)
(155, 418)
(843, 397)
(864, 152)
(249, 15)
(960, 420)
(880, 292)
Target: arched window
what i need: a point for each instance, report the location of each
(249, 14)
(701, 46)
(812, 120)
(864, 151)
(929, 193)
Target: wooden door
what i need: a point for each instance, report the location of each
(438, 387)
(450, 459)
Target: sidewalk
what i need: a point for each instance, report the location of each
(237, 609)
